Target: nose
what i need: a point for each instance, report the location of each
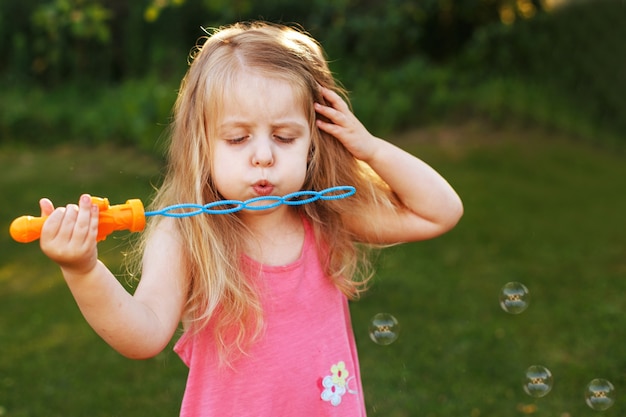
(263, 155)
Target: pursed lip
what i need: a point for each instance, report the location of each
(263, 188)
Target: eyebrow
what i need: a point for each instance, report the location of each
(281, 124)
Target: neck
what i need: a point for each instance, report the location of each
(276, 235)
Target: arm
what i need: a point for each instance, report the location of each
(431, 206)
(139, 325)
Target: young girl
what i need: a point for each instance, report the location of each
(262, 294)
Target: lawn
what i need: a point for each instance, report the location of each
(540, 209)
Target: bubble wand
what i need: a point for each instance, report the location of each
(131, 215)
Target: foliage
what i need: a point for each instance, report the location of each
(135, 113)
(565, 69)
(406, 63)
(65, 32)
(130, 37)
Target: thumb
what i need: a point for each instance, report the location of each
(46, 207)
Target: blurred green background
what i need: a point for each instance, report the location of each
(520, 104)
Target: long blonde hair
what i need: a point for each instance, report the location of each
(219, 290)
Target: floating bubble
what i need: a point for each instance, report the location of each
(514, 298)
(600, 394)
(384, 329)
(538, 381)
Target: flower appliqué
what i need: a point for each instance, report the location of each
(335, 385)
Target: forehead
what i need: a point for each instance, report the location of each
(254, 96)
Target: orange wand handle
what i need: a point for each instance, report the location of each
(128, 216)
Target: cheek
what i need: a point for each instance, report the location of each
(300, 164)
(224, 171)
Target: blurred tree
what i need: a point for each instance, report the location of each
(449, 25)
(115, 39)
(155, 7)
(65, 33)
(404, 53)
(577, 50)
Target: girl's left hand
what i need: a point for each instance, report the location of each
(344, 125)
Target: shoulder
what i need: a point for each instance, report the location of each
(164, 251)
(164, 234)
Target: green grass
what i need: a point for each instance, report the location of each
(540, 209)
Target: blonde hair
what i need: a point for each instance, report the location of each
(219, 291)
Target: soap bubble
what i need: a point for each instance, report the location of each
(384, 329)
(600, 394)
(514, 298)
(538, 382)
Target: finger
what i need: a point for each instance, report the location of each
(46, 207)
(94, 224)
(330, 128)
(68, 222)
(332, 114)
(86, 220)
(52, 225)
(94, 219)
(334, 99)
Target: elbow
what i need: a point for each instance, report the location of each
(139, 354)
(455, 214)
(451, 218)
(139, 357)
(140, 349)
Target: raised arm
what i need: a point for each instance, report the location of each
(140, 325)
(431, 206)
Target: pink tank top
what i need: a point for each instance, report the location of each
(305, 364)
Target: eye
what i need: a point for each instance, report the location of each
(283, 139)
(235, 141)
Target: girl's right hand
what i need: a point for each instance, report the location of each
(68, 236)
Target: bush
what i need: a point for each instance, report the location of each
(132, 113)
(411, 94)
(547, 70)
(564, 69)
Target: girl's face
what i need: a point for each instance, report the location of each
(262, 140)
